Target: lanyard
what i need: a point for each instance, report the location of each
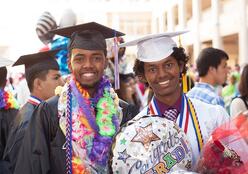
(190, 114)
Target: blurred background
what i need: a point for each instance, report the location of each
(218, 23)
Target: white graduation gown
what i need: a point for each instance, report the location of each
(209, 117)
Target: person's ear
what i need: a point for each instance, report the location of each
(211, 69)
(37, 84)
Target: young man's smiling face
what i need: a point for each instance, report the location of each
(87, 66)
(163, 77)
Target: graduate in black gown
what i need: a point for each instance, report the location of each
(8, 110)
(42, 75)
(72, 132)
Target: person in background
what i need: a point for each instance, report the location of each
(22, 91)
(127, 93)
(8, 111)
(122, 62)
(212, 68)
(236, 72)
(160, 63)
(240, 103)
(230, 91)
(42, 75)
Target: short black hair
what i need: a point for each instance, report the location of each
(209, 57)
(178, 53)
(41, 75)
(3, 76)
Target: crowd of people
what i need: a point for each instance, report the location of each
(87, 112)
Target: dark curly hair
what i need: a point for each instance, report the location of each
(178, 53)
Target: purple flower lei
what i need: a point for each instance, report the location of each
(101, 144)
(2, 100)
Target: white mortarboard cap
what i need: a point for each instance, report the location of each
(154, 47)
(5, 62)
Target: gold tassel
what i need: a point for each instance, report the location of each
(179, 41)
(185, 83)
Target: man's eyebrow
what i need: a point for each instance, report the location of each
(78, 54)
(57, 74)
(150, 65)
(97, 54)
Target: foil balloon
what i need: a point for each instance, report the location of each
(45, 23)
(68, 18)
(61, 43)
(151, 144)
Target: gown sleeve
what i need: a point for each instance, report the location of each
(6, 120)
(16, 135)
(34, 156)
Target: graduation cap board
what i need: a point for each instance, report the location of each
(154, 47)
(5, 62)
(37, 62)
(89, 36)
(36, 58)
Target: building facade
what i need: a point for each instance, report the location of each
(217, 23)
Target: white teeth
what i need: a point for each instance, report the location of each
(88, 74)
(164, 83)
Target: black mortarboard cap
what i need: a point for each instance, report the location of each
(37, 62)
(90, 36)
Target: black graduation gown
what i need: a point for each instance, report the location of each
(129, 111)
(42, 151)
(7, 117)
(16, 135)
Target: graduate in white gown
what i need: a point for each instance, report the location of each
(161, 64)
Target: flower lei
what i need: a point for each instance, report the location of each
(104, 122)
(7, 100)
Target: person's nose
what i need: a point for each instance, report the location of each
(87, 63)
(61, 81)
(161, 73)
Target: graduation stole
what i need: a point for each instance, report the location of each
(34, 100)
(187, 116)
